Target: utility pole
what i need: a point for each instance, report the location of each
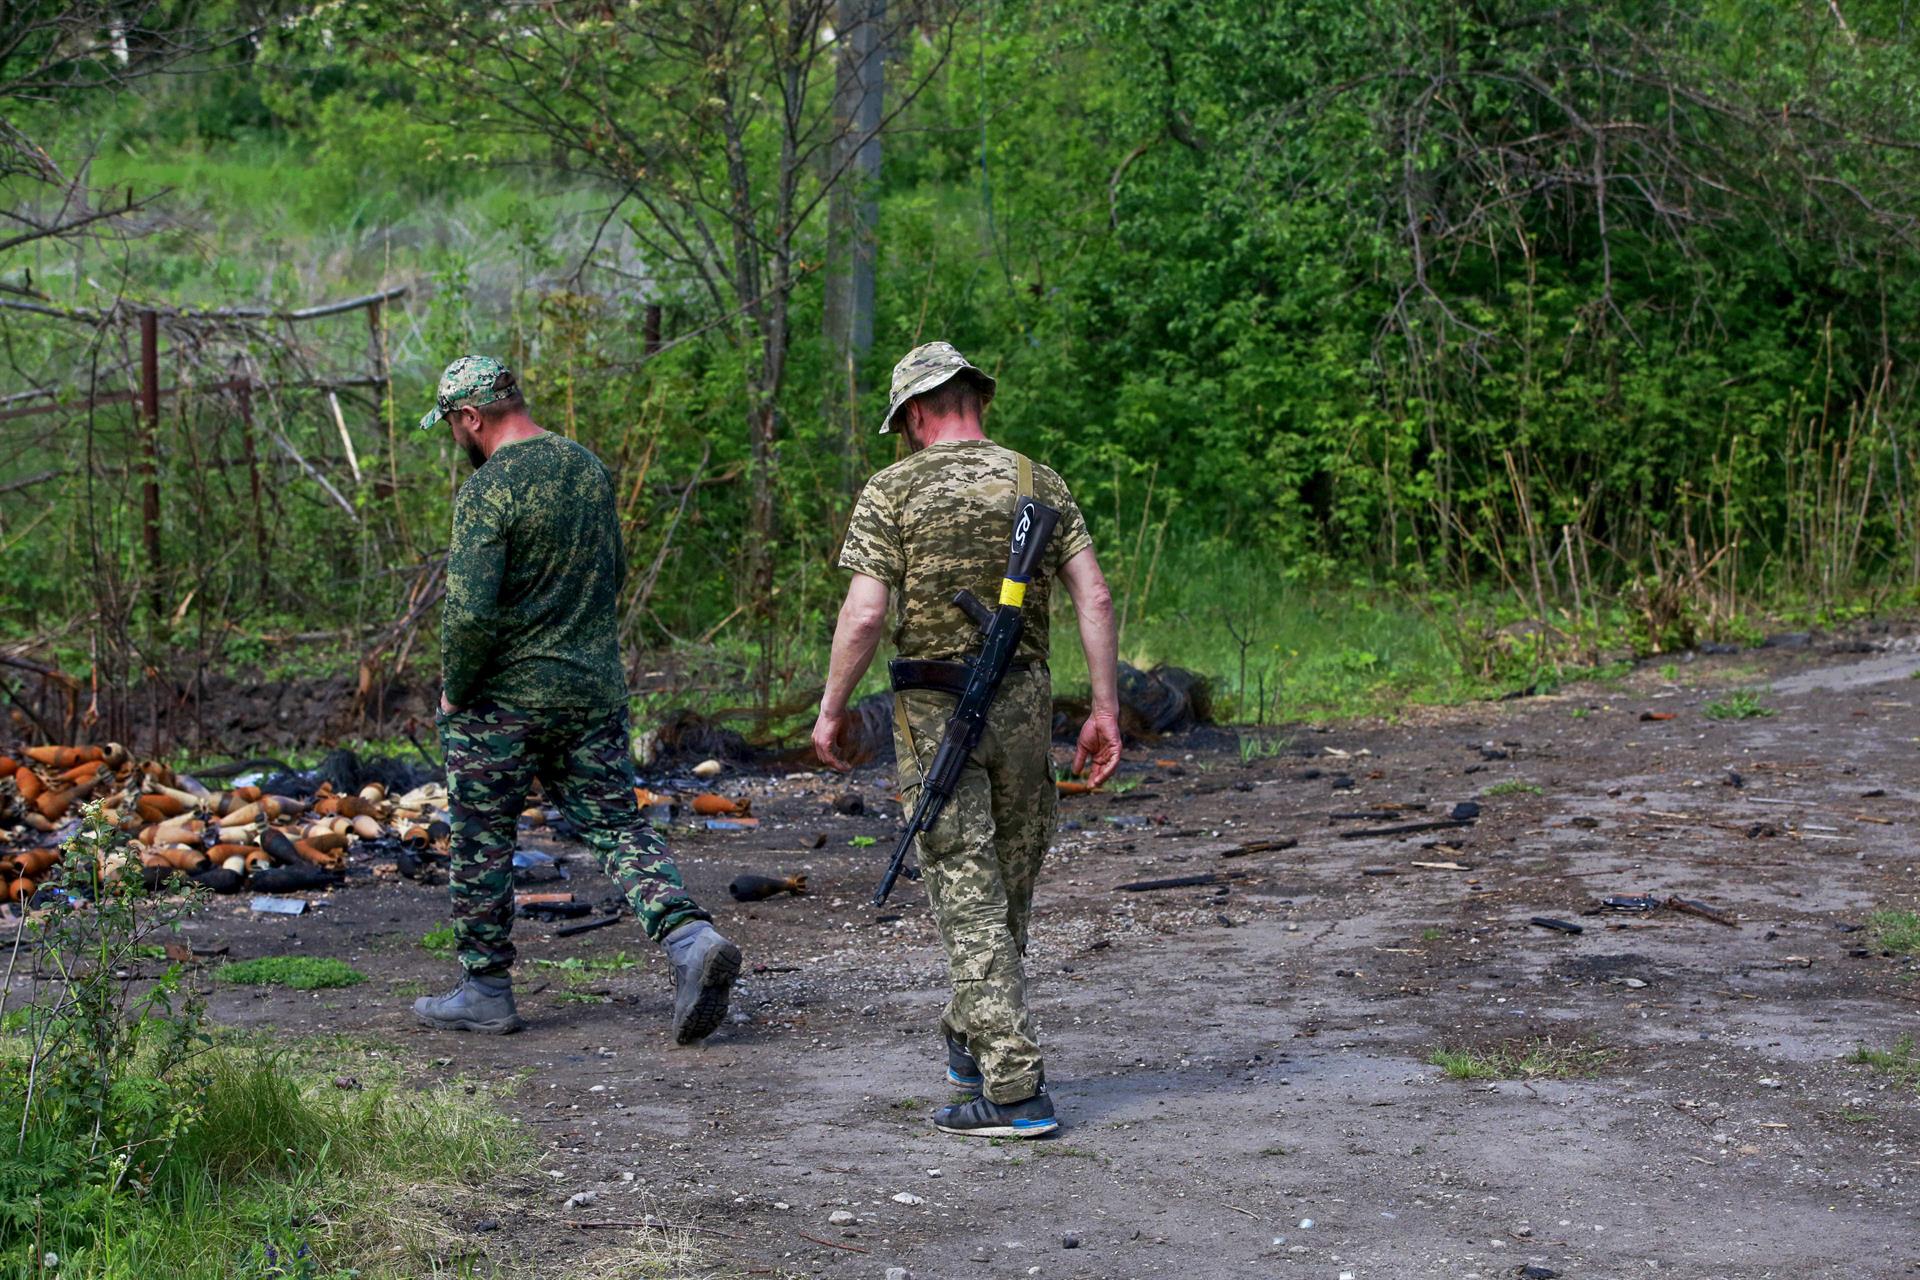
(853, 211)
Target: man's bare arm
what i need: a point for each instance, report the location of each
(1093, 606)
(863, 620)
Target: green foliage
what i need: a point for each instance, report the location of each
(1741, 704)
(1513, 787)
(1360, 419)
(439, 939)
(301, 973)
(1896, 931)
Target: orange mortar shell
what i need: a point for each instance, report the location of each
(83, 772)
(28, 783)
(182, 859)
(318, 857)
(156, 807)
(64, 757)
(32, 862)
(366, 828)
(709, 805)
(7, 766)
(329, 842)
(53, 804)
(21, 890)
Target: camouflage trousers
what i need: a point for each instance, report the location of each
(979, 863)
(580, 756)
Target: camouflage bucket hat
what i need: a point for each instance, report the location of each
(468, 383)
(926, 367)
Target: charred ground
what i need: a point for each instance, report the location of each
(1234, 1060)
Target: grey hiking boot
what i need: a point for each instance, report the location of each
(477, 1004)
(963, 1071)
(704, 967)
(984, 1118)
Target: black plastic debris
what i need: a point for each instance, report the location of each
(1465, 810)
(1558, 926)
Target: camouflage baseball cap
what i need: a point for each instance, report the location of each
(926, 367)
(470, 382)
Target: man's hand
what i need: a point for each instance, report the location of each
(446, 706)
(1099, 744)
(827, 732)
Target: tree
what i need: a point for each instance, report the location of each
(716, 126)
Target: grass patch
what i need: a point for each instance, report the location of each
(1542, 1058)
(618, 962)
(1513, 787)
(1896, 931)
(907, 1104)
(273, 1170)
(440, 941)
(302, 973)
(1741, 704)
(1902, 1062)
(1432, 933)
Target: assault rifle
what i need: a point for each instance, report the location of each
(1000, 639)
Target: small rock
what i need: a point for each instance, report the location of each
(781, 1204)
(707, 769)
(1306, 1224)
(1069, 1242)
(1464, 810)
(841, 1218)
(1521, 1232)
(1346, 1275)
(907, 1197)
(1534, 1271)
(580, 1199)
(1767, 1083)
(850, 804)
(487, 1224)
(899, 1273)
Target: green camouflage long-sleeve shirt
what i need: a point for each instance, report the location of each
(941, 519)
(534, 574)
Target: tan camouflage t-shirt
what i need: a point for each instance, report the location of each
(942, 519)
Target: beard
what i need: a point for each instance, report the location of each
(474, 455)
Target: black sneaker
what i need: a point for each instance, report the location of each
(983, 1118)
(963, 1070)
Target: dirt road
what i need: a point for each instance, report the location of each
(1243, 1070)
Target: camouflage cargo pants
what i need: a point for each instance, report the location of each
(979, 863)
(580, 757)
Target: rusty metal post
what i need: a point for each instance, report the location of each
(150, 447)
(244, 393)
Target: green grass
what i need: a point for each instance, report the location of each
(1513, 787)
(1902, 1061)
(439, 940)
(1537, 1059)
(1432, 933)
(863, 842)
(1896, 931)
(276, 1171)
(618, 962)
(302, 973)
(1741, 704)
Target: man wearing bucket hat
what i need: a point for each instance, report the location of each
(533, 686)
(923, 529)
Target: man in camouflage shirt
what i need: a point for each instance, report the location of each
(533, 687)
(924, 528)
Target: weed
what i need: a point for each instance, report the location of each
(1121, 786)
(407, 988)
(618, 962)
(1258, 747)
(1741, 704)
(906, 1104)
(1513, 787)
(1855, 1117)
(1537, 1059)
(1670, 672)
(302, 973)
(440, 940)
(863, 842)
(1432, 933)
(1581, 713)
(1901, 1062)
(582, 997)
(1273, 1151)
(1896, 931)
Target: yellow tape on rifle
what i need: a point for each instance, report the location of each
(1013, 593)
